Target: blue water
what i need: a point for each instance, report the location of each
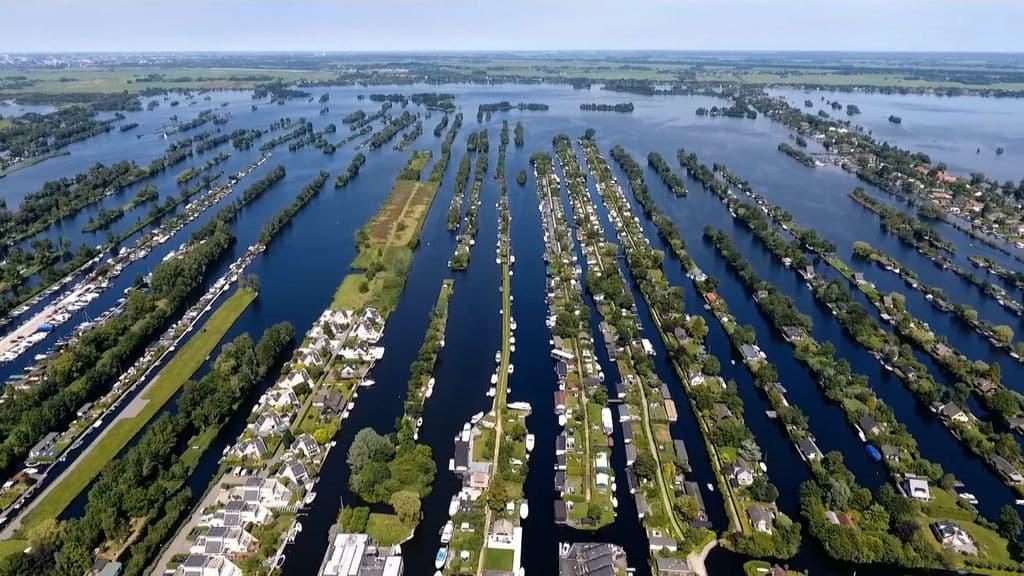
(301, 269)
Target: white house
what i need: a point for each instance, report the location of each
(268, 424)
(203, 565)
(223, 540)
(294, 471)
(306, 445)
(254, 448)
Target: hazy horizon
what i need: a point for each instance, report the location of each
(403, 26)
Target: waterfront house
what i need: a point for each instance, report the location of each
(238, 513)
(306, 445)
(268, 492)
(255, 448)
(739, 472)
(1017, 424)
(668, 566)
(296, 377)
(952, 412)
(627, 434)
(590, 559)
(310, 358)
(479, 481)
(809, 450)
(224, 541)
(721, 412)
(268, 424)
(642, 507)
(1006, 470)
(682, 457)
(868, 425)
(952, 537)
(44, 449)
(985, 386)
(890, 452)
(203, 565)
(751, 353)
(280, 399)
(560, 482)
(631, 454)
(295, 471)
(502, 533)
(659, 543)
(461, 459)
(560, 444)
(916, 488)
(624, 414)
(792, 334)
(561, 370)
(329, 401)
(760, 518)
(561, 513)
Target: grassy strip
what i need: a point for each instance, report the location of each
(386, 243)
(165, 385)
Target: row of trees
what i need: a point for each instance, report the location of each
(149, 481)
(673, 181)
(690, 357)
(283, 217)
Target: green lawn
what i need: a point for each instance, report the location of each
(348, 296)
(166, 384)
(387, 529)
(495, 559)
(11, 547)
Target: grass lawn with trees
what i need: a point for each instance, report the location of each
(165, 385)
(387, 529)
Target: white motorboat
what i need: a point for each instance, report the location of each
(453, 506)
(530, 441)
(524, 510)
(447, 532)
(441, 558)
(476, 417)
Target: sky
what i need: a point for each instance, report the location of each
(434, 25)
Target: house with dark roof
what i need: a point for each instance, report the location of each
(868, 425)
(760, 518)
(809, 450)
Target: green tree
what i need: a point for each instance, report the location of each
(1010, 524)
(645, 466)
(367, 447)
(407, 505)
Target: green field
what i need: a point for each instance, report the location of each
(126, 79)
(495, 559)
(827, 78)
(165, 385)
(387, 529)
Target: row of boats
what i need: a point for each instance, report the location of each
(37, 328)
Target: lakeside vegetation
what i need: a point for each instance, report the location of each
(857, 321)
(385, 244)
(83, 370)
(757, 527)
(165, 384)
(138, 498)
(395, 469)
